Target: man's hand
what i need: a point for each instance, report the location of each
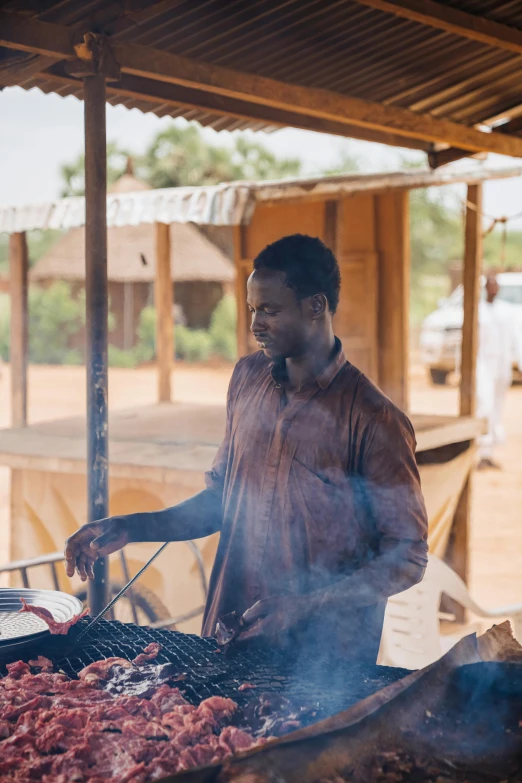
(269, 618)
(93, 540)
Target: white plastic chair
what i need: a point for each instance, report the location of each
(411, 634)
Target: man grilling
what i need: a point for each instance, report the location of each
(315, 489)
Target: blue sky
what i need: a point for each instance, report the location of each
(39, 132)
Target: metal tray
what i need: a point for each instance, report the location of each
(19, 630)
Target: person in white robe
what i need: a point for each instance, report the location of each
(499, 347)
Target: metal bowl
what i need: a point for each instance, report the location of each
(16, 627)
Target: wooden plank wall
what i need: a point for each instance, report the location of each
(356, 320)
(393, 245)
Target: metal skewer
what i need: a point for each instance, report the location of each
(117, 597)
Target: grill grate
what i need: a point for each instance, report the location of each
(209, 673)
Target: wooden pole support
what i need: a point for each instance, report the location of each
(471, 282)
(96, 290)
(18, 272)
(164, 316)
(458, 547)
(19, 264)
(241, 279)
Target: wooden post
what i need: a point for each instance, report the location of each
(330, 225)
(96, 289)
(19, 344)
(128, 315)
(164, 317)
(18, 270)
(471, 283)
(242, 314)
(458, 548)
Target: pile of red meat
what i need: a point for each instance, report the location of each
(54, 729)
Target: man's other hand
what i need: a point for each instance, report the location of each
(269, 618)
(94, 540)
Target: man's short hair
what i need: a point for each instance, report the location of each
(310, 267)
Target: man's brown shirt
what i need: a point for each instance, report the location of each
(314, 490)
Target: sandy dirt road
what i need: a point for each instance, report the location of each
(496, 536)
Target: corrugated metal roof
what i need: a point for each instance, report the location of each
(229, 204)
(339, 46)
(219, 205)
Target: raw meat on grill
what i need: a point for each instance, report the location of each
(42, 663)
(55, 627)
(150, 652)
(100, 671)
(56, 729)
(247, 686)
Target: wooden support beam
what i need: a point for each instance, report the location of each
(176, 96)
(457, 556)
(242, 312)
(452, 20)
(458, 546)
(55, 40)
(471, 283)
(439, 158)
(19, 347)
(96, 303)
(18, 352)
(163, 297)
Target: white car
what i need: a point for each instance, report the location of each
(441, 332)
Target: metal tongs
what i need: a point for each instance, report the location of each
(115, 599)
(228, 628)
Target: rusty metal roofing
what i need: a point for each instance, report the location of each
(228, 204)
(337, 45)
(218, 205)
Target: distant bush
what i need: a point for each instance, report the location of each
(119, 358)
(5, 315)
(54, 317)
(145, 349)
(222, 328)
(193, 345)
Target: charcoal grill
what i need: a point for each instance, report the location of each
(211, 673)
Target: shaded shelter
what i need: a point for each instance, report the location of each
(359, 76)
(159, 453)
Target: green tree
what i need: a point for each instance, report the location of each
(346, 164)
(436, 238)
(222, 329)
(73, 174)
(494, 249)
(5, 317)
(180, 157)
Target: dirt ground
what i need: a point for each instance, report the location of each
(496, 536)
